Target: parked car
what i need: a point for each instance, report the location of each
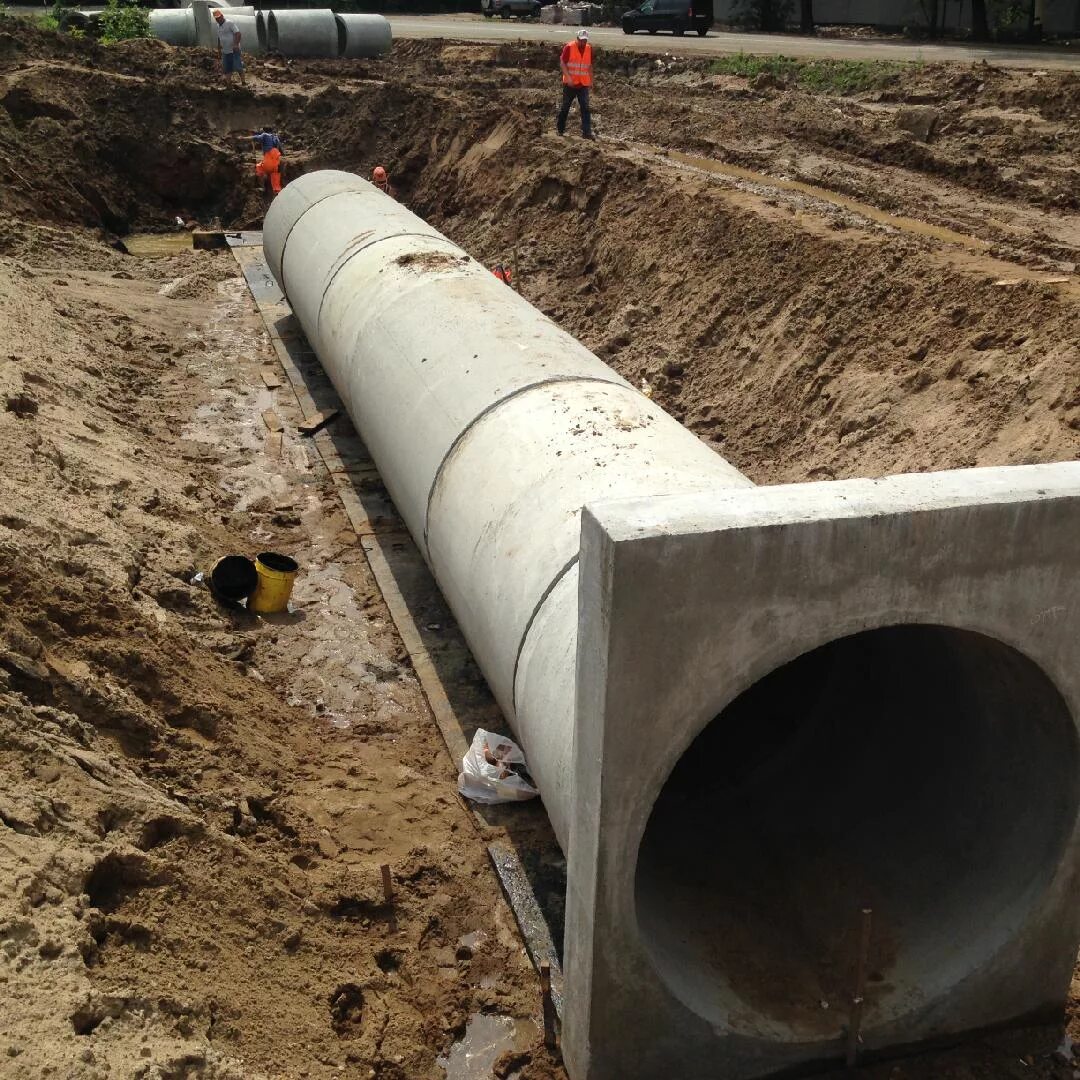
(678, 16)
(505, 8)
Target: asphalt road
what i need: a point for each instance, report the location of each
(476, 28)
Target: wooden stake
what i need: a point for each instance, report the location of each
(860, 989)
(388, 897)
(550, 1041)
(272, 421)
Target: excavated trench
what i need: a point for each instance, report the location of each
(803, 351)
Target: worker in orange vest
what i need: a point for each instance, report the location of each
(270, 169)
(503, 273)
(381, 180)
(576, 64)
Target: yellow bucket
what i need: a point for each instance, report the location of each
(276, 576)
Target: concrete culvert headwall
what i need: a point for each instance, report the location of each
(926, 772)
(302, 33)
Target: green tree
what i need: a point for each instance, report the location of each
(123, 19)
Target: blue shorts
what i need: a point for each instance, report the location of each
(231, 62)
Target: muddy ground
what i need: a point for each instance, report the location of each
(193, 803)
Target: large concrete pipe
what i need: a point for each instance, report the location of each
(175, 26)
(302, 33)
(363, 36)
(247, 23)
(752, 712)
(499, 381)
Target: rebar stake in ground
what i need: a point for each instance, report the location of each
(860, 988)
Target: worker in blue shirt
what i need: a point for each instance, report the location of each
(266, 140)
(269, 168)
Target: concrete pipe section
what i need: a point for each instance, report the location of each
(752, 712)
(302, 33)
(247, 23)
(363, 36)
(174, 26)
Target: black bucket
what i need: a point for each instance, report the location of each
(233, 578)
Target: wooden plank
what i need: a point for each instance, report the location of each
(530, 918)
(273, 444)
(272, 421)
(270, 379)
(206, 240)
(317, 422)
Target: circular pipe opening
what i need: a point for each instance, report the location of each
(925, 772)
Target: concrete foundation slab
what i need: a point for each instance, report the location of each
(796, 702)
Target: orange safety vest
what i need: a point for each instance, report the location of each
(579, 66)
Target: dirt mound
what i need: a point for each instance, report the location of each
(192, 848)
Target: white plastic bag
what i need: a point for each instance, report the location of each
(493, 771)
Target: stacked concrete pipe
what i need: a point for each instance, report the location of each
(247, 23)
(174, 26)
(751, 711)
(311, 33)
(363, 37)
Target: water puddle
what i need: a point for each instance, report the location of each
(485, 1040)
(155, 245)
(865, 210)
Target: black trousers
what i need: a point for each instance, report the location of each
(568, 95)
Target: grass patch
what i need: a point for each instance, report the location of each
(826, 76)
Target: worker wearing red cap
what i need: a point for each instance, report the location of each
(576, 63)
(381, 180)
(228, 35)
